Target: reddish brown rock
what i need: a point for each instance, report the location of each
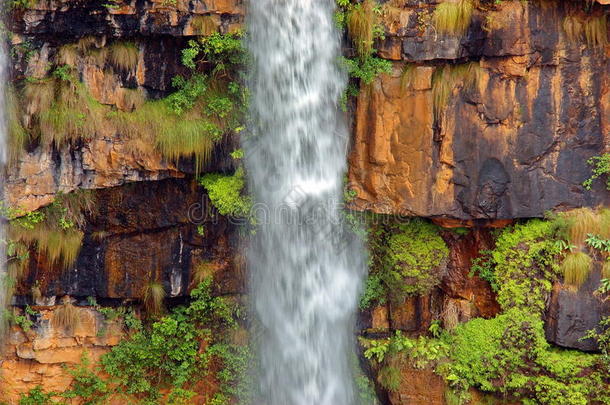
(419, 387)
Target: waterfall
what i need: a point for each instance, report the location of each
(306, 265)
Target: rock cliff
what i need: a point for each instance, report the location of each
(479, 130)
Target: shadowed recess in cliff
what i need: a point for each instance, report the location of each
(306, 266)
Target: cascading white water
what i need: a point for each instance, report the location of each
(306, 266)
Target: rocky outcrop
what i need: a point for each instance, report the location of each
(512, 144)
(141, 233)
(38, 357)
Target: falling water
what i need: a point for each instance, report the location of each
(306, 266)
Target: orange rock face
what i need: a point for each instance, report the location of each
(39, 356)
(513, 143)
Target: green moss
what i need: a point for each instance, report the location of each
(508, 355)
(414, 253)
(226, 193)
(405, 259)
(526, 264)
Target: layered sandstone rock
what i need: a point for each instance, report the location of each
(39, 356)
(513, 145)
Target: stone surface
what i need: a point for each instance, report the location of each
(143, 232)
(419, 387)
(515, 145)
(571, 313)
(39, 356)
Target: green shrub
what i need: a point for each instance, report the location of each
(415, 254)
(226, 193)
(526, 262)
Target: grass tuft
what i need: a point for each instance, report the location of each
(579, 223)
(124, 55)
(133, 99)
(153, 296)
(202, 271)
(604, 223)
(74, 114)
(66, 316)
(17, 135)
(453, 18)
(407, 75)
(361, 22)
(576, 268)
(606, 269)
(445, 79)
(36, 293)
(60, 246)
(68, 55)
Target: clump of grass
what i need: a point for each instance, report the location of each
(606, 269)
(66, 316)
(133, 99)
(579, 223)
(453, 17)
(202, 271)
(407, 75)
(74, 114)
(86, 43)
(447, 78)
(596, 31)
(593, 29)
(604, 223)
(175, 136)
(361, 22)
(124, 55)
(17, 135)
(39, 95)
(57, 236)
(60, 246)
(204, 25)
(35, 293)
(68, 55)
(153, 296)
(576, 268)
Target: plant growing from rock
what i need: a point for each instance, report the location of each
(601, 168)
(453, 17)
(66, 316)
(153, 296)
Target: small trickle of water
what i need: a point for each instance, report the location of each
(306, 267)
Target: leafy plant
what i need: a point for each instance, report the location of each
(601, 168)
(483, 266)
(225, 192)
